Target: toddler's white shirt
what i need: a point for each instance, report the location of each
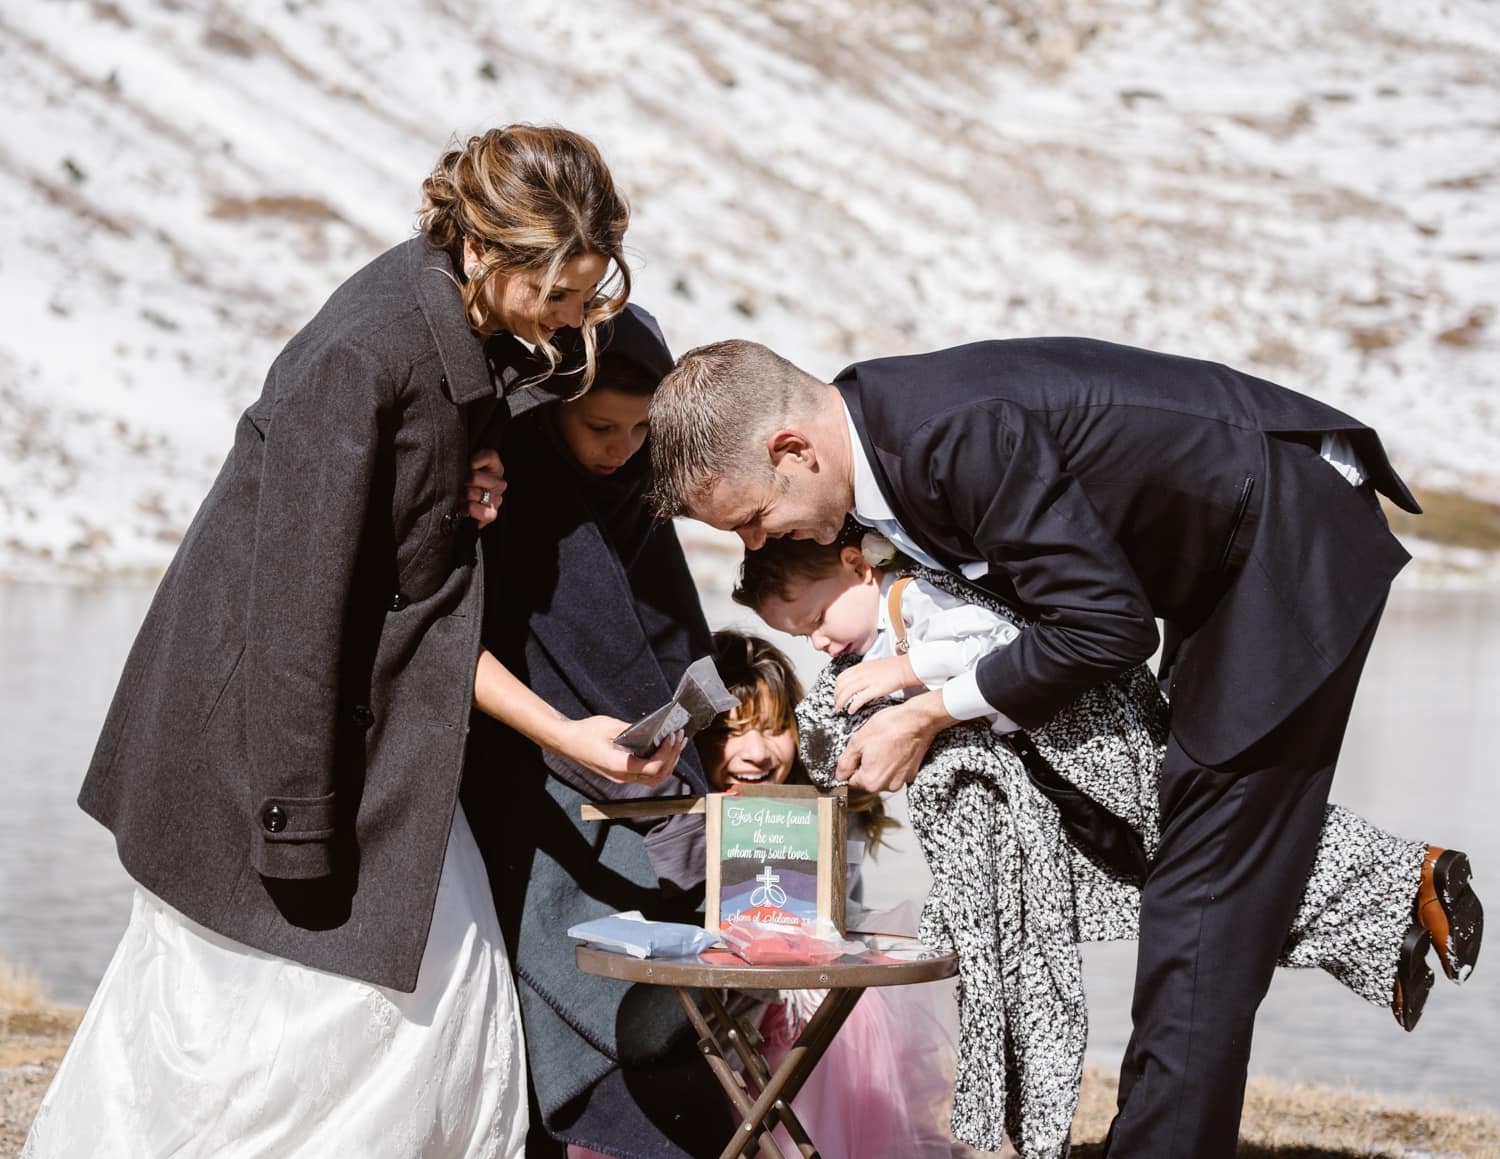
(946, 637)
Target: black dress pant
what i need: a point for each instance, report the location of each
(1237, 845)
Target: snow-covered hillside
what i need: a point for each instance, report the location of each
(1308, 190)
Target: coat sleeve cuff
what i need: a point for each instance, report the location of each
(294, 837)
(962, 699)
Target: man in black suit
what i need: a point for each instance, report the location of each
(1100, 488)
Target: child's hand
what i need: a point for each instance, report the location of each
(870, 680)
(485, 486)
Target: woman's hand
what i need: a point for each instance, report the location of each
(485, 486)
(590, 743)
(869, 680)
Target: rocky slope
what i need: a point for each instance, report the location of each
(1308, 191)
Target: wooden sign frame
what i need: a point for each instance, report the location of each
(831, 810)
(757, 807)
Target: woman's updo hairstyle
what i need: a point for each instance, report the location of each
(529, 198)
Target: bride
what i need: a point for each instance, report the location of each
(313, 965)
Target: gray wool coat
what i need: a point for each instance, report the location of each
(282, 757)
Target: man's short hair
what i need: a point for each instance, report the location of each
(712, 414)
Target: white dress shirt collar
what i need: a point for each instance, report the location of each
(870, 506)
(871, 509)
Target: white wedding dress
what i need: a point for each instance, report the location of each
(195, 1045)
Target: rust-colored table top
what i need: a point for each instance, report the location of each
(885, 961)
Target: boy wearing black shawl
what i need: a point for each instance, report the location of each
(598, 617)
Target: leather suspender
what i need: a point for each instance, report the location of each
(893, 610)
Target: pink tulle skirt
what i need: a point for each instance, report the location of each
(885, 1086)
(884, 1089)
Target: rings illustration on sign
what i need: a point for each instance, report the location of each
(768, 892)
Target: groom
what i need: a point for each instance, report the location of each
(1099, 488)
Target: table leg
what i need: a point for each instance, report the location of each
(752, 1128)
(744, 1039)
(804, 1054)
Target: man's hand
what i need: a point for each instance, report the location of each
(485, 486)
(869, 680)
(886, 751)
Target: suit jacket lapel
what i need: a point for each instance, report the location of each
(876, 437)
(887, 468)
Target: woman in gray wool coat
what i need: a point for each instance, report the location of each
(313, 965)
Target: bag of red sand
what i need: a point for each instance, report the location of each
(765, 944)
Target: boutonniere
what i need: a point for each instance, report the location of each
(877, 549)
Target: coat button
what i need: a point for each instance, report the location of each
(274, 818)
(398, 601)
(361, 715)
(448, 523)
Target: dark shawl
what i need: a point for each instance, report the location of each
(590, 602)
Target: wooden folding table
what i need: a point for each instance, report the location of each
(762, 1098)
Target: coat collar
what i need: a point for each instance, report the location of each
(459, 348)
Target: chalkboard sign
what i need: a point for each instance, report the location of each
(776, 854)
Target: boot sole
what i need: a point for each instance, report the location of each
(1413, 978)
(1451, 878)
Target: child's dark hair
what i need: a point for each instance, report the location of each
(769, 571)
(763, 680)
(626, 375)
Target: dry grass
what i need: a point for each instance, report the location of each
(1452, 518)
(33, 1041)
(20, 988)
(1315, 1122)
(962, 38)
(33, 1038)
(1280, 1122)
(1470, 330)
(37, 1035)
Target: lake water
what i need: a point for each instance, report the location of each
(1422, 758)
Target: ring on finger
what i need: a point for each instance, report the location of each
(484, 496)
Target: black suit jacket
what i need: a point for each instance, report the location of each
(1109, 486)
